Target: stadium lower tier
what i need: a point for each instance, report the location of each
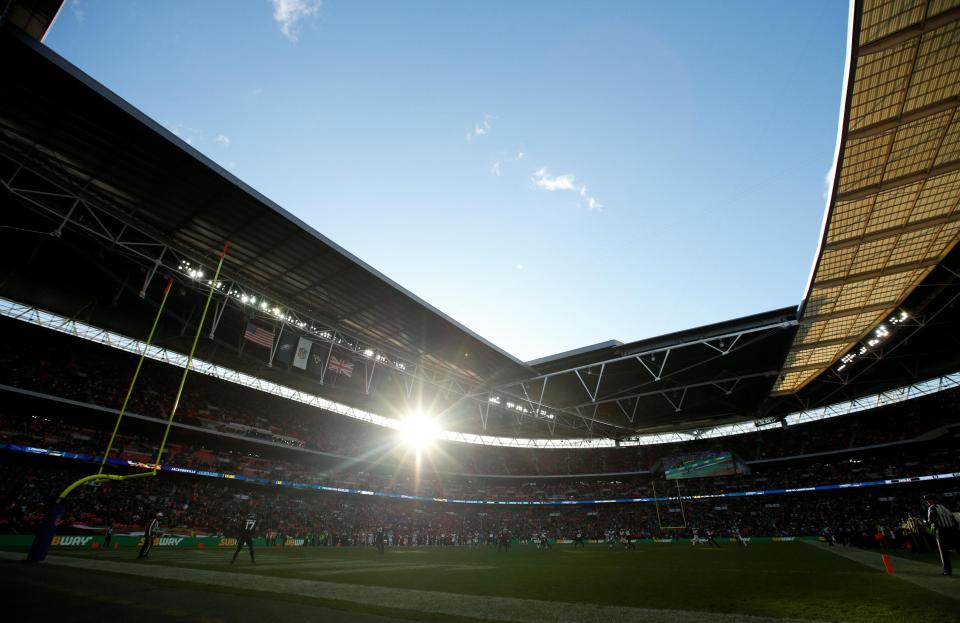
(193, 505)
(221, 458)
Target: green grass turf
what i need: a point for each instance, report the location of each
(766, 579)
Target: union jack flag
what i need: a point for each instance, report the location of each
(340, 366)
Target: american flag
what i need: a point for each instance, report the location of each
(259, 335)
(341, 366)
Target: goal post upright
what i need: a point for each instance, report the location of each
(656, 505)
(193, 348)
(133, 381)
(48, 526)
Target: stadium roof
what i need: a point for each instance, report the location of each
(894, 208)
(60, 124)
(77, 154)
(690, 379)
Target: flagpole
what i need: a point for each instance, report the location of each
(323, 373)
(274, 345)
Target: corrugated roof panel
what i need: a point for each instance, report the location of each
(881, 80)
(913, 246)
(812, 356)
(871, 256)
(854, 293)
(849, 219)
(891, 287)
(950, 147)
(915, 146)
(938, 198)
(892, 208)
(836, 262)
(864, 160)
(937, 73)
(881, 19)
(947, 238)
(939, 6)
(822, 300)
(792, 379)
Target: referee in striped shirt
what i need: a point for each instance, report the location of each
(945, 525)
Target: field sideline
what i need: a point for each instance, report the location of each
(665, 582)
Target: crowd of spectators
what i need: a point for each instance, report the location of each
(403, 477)
(67, 367)
(190, 505)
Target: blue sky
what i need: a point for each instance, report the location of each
(550, 174)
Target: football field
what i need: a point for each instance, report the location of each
(655, 582)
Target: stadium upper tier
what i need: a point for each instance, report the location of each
(70, 385)
(101, 203)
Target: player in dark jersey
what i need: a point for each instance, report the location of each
(504, 541)
(151, 530)
(578, 540)
(544, 541)
(108, 535)
(247, 528)
(379, 540)
(710, 538)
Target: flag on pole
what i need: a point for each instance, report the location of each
(286, 347)
(315, 363)
(302, 355)
(341, 366)
(259, 335)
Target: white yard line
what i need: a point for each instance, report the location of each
(913, 571)
(450, 604)
(394, 567)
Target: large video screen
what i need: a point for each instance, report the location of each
(703, 465)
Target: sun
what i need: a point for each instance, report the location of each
(418, 430)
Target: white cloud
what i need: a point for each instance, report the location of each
(184, 133)
(223, 140)
(256, 92)
(481, 129)
(828, 181)
(542, 179)
(500, 164)
(592, 203)
(545, 181)
(288, 13)
(519, 266)
(78, 11)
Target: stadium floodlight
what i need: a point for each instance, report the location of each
(368, 353)
(898, 318)
(418, 430)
